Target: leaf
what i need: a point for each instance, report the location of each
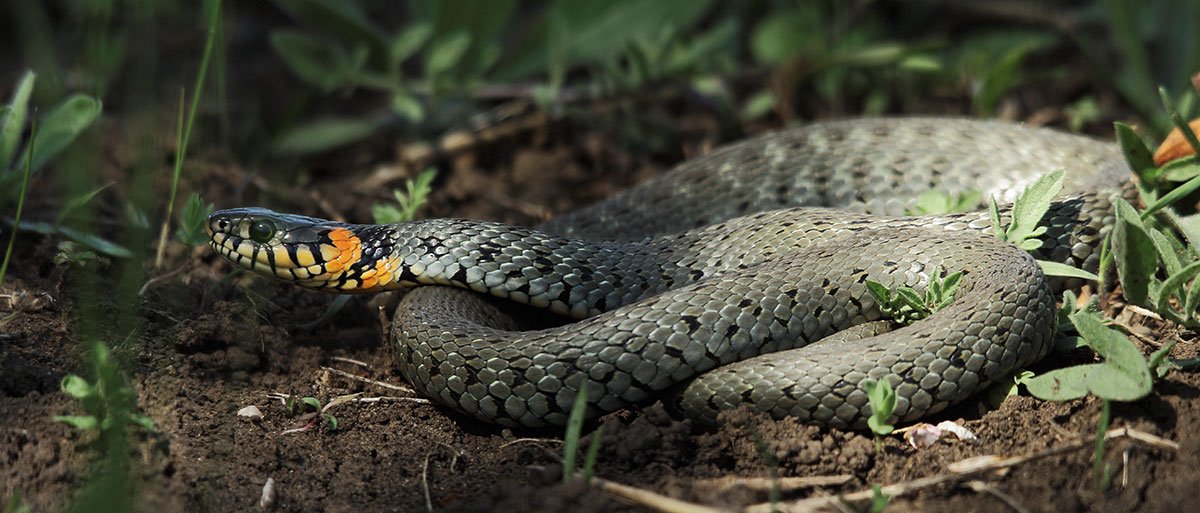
(62, 125)
(596, 29)
(1158, 359)
(1136, 257)
(1129, 378)
(994, 215)
(77, 387)
(879, 427)
(1180, 170)
(142, 420)
(311, 401)
(324, 134)
(882, 400)
(1067, 271)
(758, 105)
(407, 106)
(446, 52)
(1165, 246)
(879, 292)
(1174, 286)
(74, 203)
(408, 41)
(12, 123)
(910, 298)
(82, 422)
(92, 241)
(788, 34)
(314, 60)
(1031, 206)
(1137, 155)
(1171, 197)
(1063, 384)
(1123, 376)
(343, 20)
(193, 219)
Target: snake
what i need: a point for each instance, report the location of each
(736, 279)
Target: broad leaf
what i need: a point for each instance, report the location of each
(1136, 257)
(62, 125)
(13, 121)
(1067, 271)
(325, 134)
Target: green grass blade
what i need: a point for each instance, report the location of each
(1191, 302)
(1170, 198)
(12, 237)
(13, 122)
(589, 460)
(1066, 271)
(186, 133)
(574, 428)
(1178, 120)
(1173, 286)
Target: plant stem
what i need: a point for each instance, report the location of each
(12, 237)
(1098, 455)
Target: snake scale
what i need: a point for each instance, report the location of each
(734, 279)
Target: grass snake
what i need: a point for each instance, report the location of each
(734, 279)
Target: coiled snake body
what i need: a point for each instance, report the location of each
(713, 282)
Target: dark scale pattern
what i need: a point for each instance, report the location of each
(766, 308)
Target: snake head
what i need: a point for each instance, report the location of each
(307, 251)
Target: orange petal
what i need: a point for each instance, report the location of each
(1175, 146)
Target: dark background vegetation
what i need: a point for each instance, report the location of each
(323, 107)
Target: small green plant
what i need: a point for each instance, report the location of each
(934, 202)
(309, 409)
(1027, 212)
(195, 217)
(16, 505)
(879, 500)
(410, 200)
(53, 133)
(571, 439)
(61, 125)
(1025, 229)
(883, 403)
(1123, 375)
(905, 305)
(991, 65)
(108, 403)
(1154, 250)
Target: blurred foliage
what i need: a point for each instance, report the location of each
(436, 68)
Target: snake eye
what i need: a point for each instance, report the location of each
(262, 231)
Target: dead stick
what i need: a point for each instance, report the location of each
(960, 471)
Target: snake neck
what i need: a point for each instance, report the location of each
(569, 277)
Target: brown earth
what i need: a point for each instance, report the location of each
(210, 346)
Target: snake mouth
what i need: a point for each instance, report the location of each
(307, 251)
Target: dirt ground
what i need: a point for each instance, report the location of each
(211, 346)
